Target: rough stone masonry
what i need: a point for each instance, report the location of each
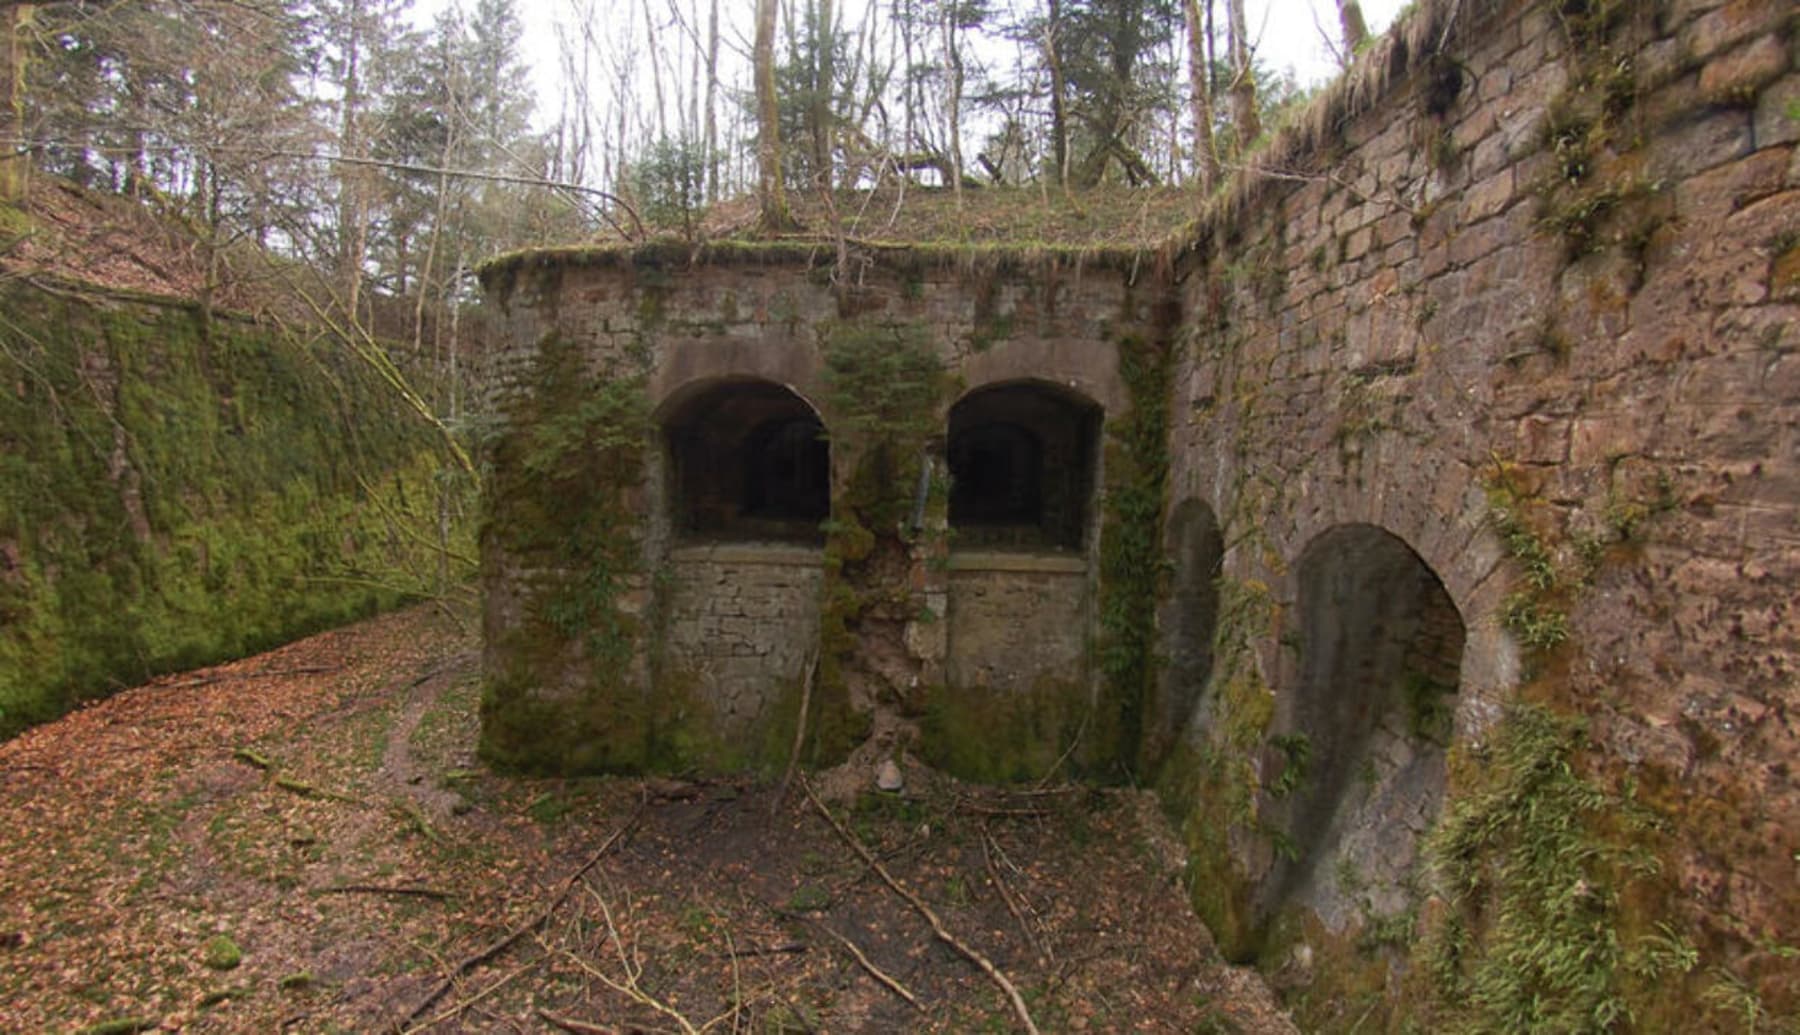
(1481, 386)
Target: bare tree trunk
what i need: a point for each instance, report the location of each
(712, 105)
(1356, 30)
(1243, 81)
(823, 131)
(769, 189)
(15, 157)
(1206, 160)
(352, 221)
(656, 72)
(1059, 113)
(953, 102)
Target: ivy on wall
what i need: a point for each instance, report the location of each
(562, 502)
(1131, 557)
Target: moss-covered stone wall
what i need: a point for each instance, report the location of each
(1502, 328)
(1525, 303)
(889, 633)
(175, 492)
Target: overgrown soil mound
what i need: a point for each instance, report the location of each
(304, 841)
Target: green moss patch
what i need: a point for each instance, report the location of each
(561, 503)
(1002, 736)
(174, 493)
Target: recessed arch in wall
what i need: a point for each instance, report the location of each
(1188, 619)
(746, 460)
(1358, 770)
(1022, 457)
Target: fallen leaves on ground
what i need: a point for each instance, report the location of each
(320, 809)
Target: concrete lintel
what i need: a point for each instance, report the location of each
(784, 554)
(1005, 560)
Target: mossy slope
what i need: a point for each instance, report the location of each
(175, 492)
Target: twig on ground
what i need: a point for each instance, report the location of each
(464, 1004)
(386, 889)
(968, 951)
(875, 972)
(571, 1024)
(1006, 894)
(632, 970)
(806, 688)
(471, 962)
(1000, 811)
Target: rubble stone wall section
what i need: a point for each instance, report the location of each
(1574, 296)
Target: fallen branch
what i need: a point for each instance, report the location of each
(409, 810)
(252, 759)
(968, 951)
(386, 889)
(806, 688)
(537, 920)
(272, 673)
(307, 790)
(875, 972)
(571, 1024)
(772, 950)
(459, 1007)
(1006, 894)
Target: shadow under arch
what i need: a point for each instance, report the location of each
(1188, 620)
(1358, 769)
(1022, 458)
(745, 459)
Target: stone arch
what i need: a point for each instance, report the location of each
(1357, 772)
(745, 459)
(1188, 620)
(1022, 457)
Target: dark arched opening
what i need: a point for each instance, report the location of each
(748, 460)
(1021, 467)
(1359, 767)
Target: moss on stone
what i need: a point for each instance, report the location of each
(885, 387)
(1131, 560)
(994, 735)
(561, 502)
(172, 496)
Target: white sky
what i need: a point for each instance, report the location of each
(1287, 34)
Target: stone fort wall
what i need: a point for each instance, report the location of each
(1485, 391)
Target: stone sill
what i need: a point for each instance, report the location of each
(789, 555)
(1021, 561)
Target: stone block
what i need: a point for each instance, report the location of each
(1735, 77)
(1486, 197)
(1704, 139)
(1595, 293)
(1540, 439)
(1724, 27)
(1702, 202)
(1777, 119)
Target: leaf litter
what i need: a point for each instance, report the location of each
(321, 809)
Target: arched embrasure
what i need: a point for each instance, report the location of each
(1358, 770)
(747, 460)
(1022, 466)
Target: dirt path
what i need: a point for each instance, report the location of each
(401, 772)
(321, 808)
